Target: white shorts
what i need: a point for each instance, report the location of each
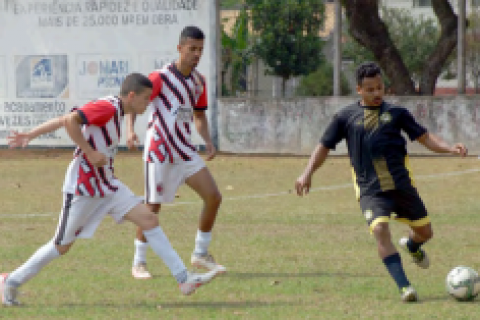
(81, 215)
(163, 179)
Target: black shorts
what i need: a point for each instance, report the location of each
(403, 205)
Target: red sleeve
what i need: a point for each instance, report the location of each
(157, 84)
(97, 112)
(202, 101)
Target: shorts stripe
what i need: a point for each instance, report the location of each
(64, 218)
(147, 189)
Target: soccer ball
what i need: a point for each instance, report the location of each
(463, 283)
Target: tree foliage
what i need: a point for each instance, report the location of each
(237, 54)
(415, 39)
(319, 82)
(369, 29)
(287, 35)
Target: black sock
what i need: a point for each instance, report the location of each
(395, 268)
(413, 246)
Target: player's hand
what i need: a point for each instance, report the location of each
(18, 140)
(211, 151)
(96, 158)
(302, 185)
(460, 149)
(132, 141)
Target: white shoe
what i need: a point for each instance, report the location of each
(207, 262)
(9, 293)
(409, 294)
(196, 280)
(420, 257)
(140, 271)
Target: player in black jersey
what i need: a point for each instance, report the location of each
(378, 156)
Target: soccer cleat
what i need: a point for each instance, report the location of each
(140, 271)
(9, 293)
(409, 294)
(420, 257)
(207, 262)
(196, 280)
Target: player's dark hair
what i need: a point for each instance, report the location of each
(367, 70)
(191, 32)
(135, 82)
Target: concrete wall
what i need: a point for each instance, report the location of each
(294, 126)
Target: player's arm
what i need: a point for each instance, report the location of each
(201, 123)
(331, 137)
(22, 139)
(318, 157)
(132, 138)
(436, 144)
(417, 132)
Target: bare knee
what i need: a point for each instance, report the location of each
(214, 198)
(154, 207)
(382, 232)
(425, 233)
(63, 249)
(148, 221)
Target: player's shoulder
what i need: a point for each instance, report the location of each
(347, 111)
(198, 76)
(390, 106)
(108, 100)
(394, 109)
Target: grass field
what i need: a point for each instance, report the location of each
(287, 257)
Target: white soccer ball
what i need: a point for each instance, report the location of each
(463, 283)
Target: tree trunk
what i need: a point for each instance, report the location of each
(446, 44)
(368, 29)
(284, 85)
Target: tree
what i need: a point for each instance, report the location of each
(237, 54)
(414, 37)
(473, 49)
(368, 29)
(319, 82)
(287, 35)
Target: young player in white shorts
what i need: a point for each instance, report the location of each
(91, 191)
(179, 97)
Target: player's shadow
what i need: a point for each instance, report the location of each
(224, 304)
(446, 297)
(180, 305)
(246, 275)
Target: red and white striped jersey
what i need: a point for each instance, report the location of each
(174, 98)
(102, 120)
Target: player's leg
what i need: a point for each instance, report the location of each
(412, 211)
(376, 210)
(141, 216)
(161, 183)
(139, 266)
(71, 222)
(202, 182)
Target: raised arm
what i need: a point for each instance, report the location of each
(438, 145)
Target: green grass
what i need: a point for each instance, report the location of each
(287, 257)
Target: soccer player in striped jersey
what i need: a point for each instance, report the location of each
(179, 97)
(385, 189)
(91, 191)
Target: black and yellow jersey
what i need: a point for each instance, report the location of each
(376, 147)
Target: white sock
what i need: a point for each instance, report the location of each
(161, 246)
(140, 252)
(33, 265)
(202, 241)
